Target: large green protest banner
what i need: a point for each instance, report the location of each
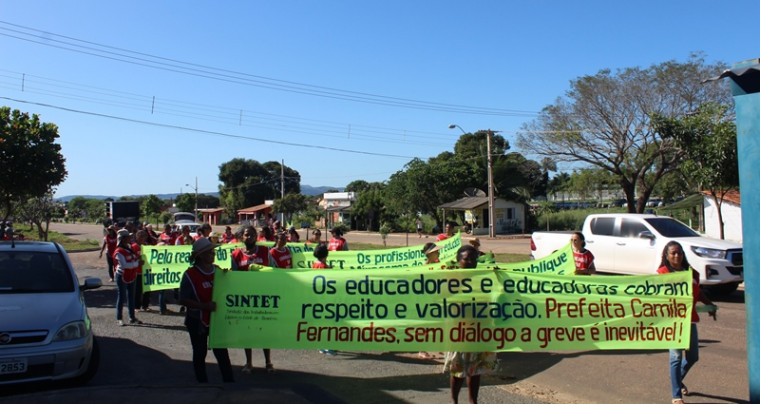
(165, 264)
(430, 309)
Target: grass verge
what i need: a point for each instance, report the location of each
(68, 243)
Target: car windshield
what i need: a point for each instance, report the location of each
(671, 228)
(34, 272)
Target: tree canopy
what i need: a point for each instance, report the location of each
(247, 183)
(708, 140)
(32, 163)
(604, 121)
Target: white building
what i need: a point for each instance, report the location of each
(732, 216)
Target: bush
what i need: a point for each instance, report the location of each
(564, 220)
(342, 227)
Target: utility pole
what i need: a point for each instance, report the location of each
(491, 229)
(282, 190)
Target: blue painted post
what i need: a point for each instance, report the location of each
(746, 91)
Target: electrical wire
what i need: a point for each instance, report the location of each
(67, 43)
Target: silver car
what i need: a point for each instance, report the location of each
(45, 331)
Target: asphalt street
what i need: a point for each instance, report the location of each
(151, 362)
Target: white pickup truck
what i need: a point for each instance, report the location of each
(628, 243)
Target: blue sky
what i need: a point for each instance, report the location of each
(149, 95)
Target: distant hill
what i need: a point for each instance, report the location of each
(305, 189)
(309, 190)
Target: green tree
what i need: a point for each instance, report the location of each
(185, 202)
(282, 174)
(370, 205)
(517, 178)
(207, 201)
(77, 207)
(357, 186)
(604, 121)
(292, 203)
(152, 206)
(32, 163)
(708, 138)
(560, 183)
(423, 186)
(38, 211)
(247, 183)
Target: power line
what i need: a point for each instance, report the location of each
(71, 44)
(203, 131)
(227, 115)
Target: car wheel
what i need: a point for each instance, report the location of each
(92, 366)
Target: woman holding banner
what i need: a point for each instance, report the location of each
(195, 293)
(673, 259)
(584, 260)
(242, 259)
(281, 257)
(468, 365)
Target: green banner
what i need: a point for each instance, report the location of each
(164, 265)
(560, 262)
(432, 309)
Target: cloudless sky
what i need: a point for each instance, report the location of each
(149, 95)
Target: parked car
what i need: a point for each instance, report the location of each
(182, 219)
(45, 331)
(630, 243)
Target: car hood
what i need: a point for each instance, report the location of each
(39, 311)
(709, 243)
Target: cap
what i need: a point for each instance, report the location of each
(430, 248)
(200, 246)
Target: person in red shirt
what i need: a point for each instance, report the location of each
(109, 246)
(449, 232)
(125, 271)
(168, 237)
(673, 260)
(203, 231)
(185, 238)
(293, 236)
(337, 242)
(281, 257)
(316, 237)
(320, 253)
(584, 260)
(196, 293)
(242, 258)
(266, 234)
(228, 237)
(142, 300)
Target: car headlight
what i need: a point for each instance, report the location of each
(709, 252)
(71, 331)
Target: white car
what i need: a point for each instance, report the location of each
(45, 331)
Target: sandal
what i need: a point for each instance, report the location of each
(684, 390)
(270, 368)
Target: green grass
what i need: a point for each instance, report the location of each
(68, 243)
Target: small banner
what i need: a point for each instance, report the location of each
(165, 264)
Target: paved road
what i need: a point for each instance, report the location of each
(152, 363)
